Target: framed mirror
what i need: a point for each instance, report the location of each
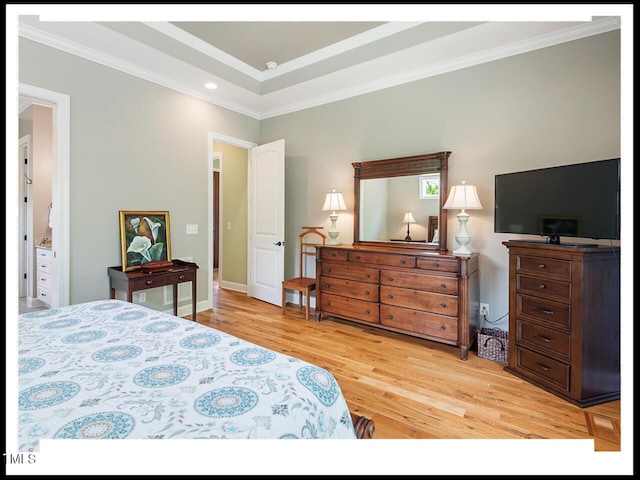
(398, 201)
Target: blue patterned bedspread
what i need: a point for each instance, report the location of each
(111, 369)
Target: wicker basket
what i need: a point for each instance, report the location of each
(493, 344)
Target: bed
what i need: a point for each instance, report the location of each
(117, 370)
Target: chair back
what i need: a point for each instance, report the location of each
(310, 238)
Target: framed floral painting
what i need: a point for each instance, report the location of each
(144, 237)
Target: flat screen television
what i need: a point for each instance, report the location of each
(580, 200)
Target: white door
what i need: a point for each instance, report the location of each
(24, 232)
(266, 222)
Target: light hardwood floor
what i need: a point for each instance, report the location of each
(414, 388)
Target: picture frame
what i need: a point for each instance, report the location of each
(145, 237)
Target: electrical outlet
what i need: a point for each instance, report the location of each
(142, 297)
(484, 309)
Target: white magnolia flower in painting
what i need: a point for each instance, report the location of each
(135, 222)
(154, 226)
(140, 245)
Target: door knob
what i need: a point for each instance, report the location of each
(279, 244)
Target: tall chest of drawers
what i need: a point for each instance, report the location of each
(432, 295)
(43, 275)
(564, 320)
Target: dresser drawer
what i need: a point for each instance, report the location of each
(544, 287)
(544, 339)
(408, 261)
(333, 254)
(43, 294)
(350, 288)
(553, 313)
(350, 272)
(144, 283)
(416, 321)
(544, 369)
(43, 279)
(438, 264)
(43, 266)
(420, 281)
(350, 308)
(425, 301)
(43, 254)
(560, 269)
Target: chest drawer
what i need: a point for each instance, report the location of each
(438, 264)
(350, 272)
(43, 279)
(544, 369)
(350, 307)
(350, 288)
(544, 287)
(416, 321)
(333, 254)
(429, 283)
(43, 254)
(544, 339)
(143, 283)
(560, 269)
(553, 313)
(43, 266)
(425, 301)
(408, 261)
(43, 294)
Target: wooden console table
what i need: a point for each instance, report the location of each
(136, 280)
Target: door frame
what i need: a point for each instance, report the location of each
(60, 192)
(213, 137)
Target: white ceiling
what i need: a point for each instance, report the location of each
(318, 61)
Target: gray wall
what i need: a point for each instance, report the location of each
(136, 145)
(554, 106)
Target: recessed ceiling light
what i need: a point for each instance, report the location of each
(272, 65)
(210, 85)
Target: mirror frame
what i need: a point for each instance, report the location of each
(399, 167)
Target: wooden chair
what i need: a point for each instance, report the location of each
(303, 283)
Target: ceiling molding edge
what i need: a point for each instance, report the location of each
(574, 33)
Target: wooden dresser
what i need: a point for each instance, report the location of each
(564, 320)
(424, 293)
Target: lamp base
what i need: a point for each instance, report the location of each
(463, 237)
(333, 231)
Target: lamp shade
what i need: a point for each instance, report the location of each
(334, 202)
(463, 197)
(408, 218)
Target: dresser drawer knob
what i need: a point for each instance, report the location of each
(366, 311)
(442, 327)
(390, 279)
(542, 286)
(542, 265)
(327, 285)
(543, 338)
(181, 277)
(436, 264)
(328, 270)
(443, 305)
(390, 295)
(366, 292)
(543, 310)
(333, 254)
(329, 303)
(357, 257)
(403, 261)
(443, 285)
(390, 317)
(149, 282)
(368, 275)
